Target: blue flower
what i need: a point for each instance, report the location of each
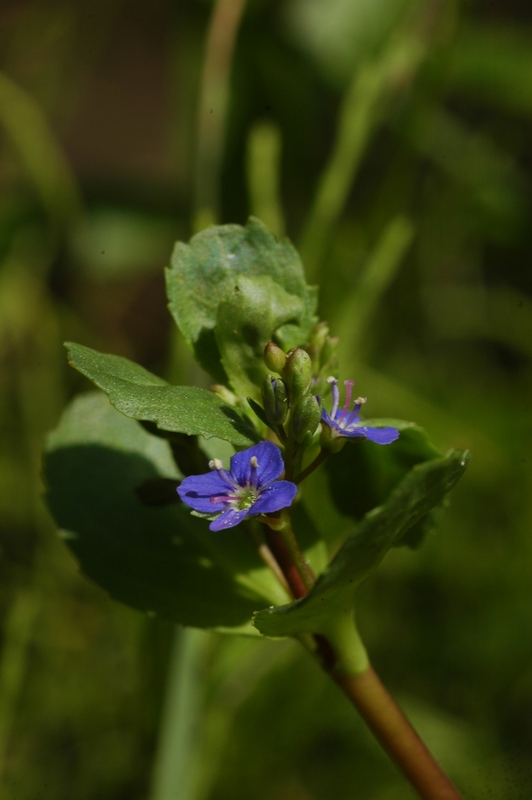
(249, 488)
(346, 423)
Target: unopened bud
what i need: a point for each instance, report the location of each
(274, 358)
(305, 418)
(298, 374)
(274, 400)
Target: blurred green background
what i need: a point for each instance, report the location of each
(391, 140)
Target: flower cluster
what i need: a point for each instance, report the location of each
(249, 488)
(252, 485)
(345, 422)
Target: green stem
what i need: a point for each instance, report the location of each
(320, 458)
(174, 773)
(378, 273)
(39, 151)
(263, 173)
(343, 657)
(280, 552)
(19, 629)
(382, 714)
(374, 86)
(356, 122)
(290, 559)
(289, 456)
(269, 558)
(303, 567)
(212, 111)
(281, 433)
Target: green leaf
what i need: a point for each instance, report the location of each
(333, 596)
(256, 311)
(156, 559)
(362, 474)
(141, 395)
(204, 274)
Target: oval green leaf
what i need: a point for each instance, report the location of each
(204, 273)
(141, 395)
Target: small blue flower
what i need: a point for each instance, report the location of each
(346, 423)
(249, 488)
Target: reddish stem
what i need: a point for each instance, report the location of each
(372, 700)
(279, 548)
(396, 734)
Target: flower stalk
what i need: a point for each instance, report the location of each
(395, 733)
(320, 458)
(343, 657)
(283, 525)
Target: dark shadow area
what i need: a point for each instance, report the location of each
(362, 475)
(154, 559)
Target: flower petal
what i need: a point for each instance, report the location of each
(228, 519)
(270, 464)
(385, 435)
(196, 491)
(327, 419)
(332, 423)
(276, 496)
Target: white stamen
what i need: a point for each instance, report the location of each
(331, 379)
(361, 400)
(215, 463)
(253, 462)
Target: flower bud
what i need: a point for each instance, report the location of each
(274, 358)
(297, 374)
(274, 400)
(305, 418)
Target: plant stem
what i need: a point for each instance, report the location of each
(174, 773)
(379, 271)
(281, 433)
(269, 558)
(320, 458)
(374, 86)
(298, 557)
(343, 658)
(212, 110)
(39, 151)
(279, 548)
(263, 173)
(396, 734)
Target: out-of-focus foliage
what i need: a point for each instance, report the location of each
(401, 133)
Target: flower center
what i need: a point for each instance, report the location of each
(244, 498)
